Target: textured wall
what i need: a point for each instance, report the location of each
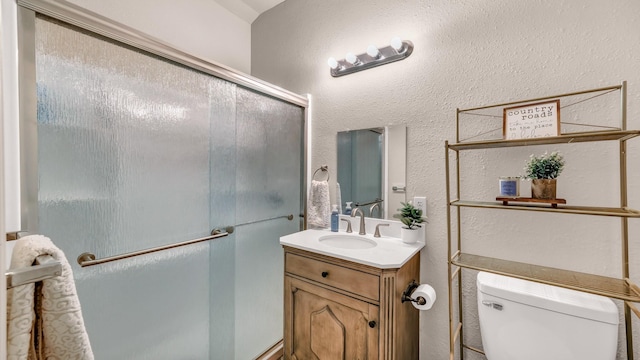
(469, 53)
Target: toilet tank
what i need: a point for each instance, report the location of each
(523, 320)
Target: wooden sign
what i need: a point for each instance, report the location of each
(531, 120)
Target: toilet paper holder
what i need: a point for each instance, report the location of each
(406, 294)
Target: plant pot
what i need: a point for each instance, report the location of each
(543, 189)
(410, 236)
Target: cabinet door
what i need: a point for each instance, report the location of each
(324, 325)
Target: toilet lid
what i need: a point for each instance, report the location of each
(553, 298)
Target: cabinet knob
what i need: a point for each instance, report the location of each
(372, 324)
(325, 274)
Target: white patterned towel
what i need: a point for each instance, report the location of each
(319, 212)
(57, 331)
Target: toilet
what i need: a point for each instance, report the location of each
(523, 320)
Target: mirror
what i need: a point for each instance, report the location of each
(372, 169)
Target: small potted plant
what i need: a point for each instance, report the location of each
(543, 171)
(411, 217)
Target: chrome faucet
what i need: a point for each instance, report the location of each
(377, 232)
(353, 214)
(348, 225)
(373, 207)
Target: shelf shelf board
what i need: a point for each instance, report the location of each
(622, 135)
(585, 210)
(594, 284)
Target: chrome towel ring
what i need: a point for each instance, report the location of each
(323, 169)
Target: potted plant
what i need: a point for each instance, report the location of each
(543, 171)
(411, 217)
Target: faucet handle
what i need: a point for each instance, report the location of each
(377, 232)
(348, 224)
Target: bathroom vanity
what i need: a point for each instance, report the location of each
(345, 303)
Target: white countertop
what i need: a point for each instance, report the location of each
(389, 253)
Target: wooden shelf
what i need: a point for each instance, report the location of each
(507, 199)
(584, 210)
(562, 139)
(594, 284)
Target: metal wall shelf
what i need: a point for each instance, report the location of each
(595, 284)
(621, 135)
(617, 288)
(584, 210)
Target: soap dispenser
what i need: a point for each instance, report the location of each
(335, 219)
(347, 209)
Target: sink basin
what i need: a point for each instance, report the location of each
(347, 241)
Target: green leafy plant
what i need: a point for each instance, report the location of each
(545, 166)
(410, 216)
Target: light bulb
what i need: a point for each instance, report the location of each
(397, 44)
(373, 51)
(333, 63)
(352, 59)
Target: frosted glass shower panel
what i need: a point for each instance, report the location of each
(134, 140)
(270, 145)
(269, 179)
(135, 152)
(127, 143)
(222, 205)
(124, 165)
(151, 307)
(259, 286)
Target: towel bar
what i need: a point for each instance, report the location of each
(89, 259)
(376, 201)
(288, 217)
(46, 268)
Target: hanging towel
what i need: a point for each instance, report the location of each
(339, 198)
(45, 320)
(319, 212)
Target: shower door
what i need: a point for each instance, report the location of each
(135, 152)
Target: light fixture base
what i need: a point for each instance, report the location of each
(387, 55)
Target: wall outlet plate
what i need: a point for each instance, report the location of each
(420, 202)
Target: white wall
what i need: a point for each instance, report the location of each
(469, 53)
(201, 28)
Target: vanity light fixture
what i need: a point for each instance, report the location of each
(398, 50)
(373, 51)
(352, 59)
(333, 63)
(397, 44)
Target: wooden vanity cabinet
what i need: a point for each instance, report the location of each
(338, 309)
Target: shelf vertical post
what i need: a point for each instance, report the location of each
(624, 222)
(459, 237)
(449, 252)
